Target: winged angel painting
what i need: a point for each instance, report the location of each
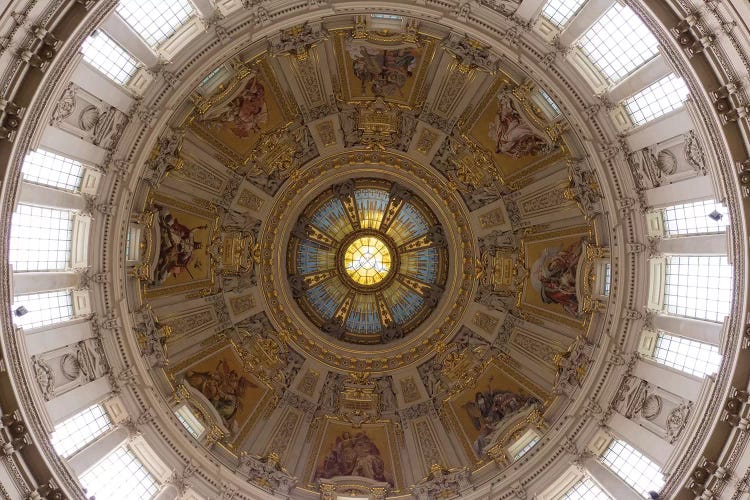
(511, 132)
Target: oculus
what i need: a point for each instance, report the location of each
(367, 261)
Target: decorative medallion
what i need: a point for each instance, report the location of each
(367, 261)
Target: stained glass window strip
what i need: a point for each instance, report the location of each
(313, 257)
(421, 264)
(326, 297)
(120, 476)
(696, 218)
(364, 317)
(79, 430)
(633, 467)
(408, 225)
(332, 219)
(585, 489)
(44, 308)
(104, 54)
(155, 20)
(690, 356)
(698, 286)
(40, 239)
(657, 99)
(371, 205)
(619, 43)
(559, 12)
(404, 302)
(50, 169)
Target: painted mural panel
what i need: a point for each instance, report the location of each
(237, 117)
(486, 410)
(366, 451)
(553, 287)
(514, 137)
(178, 257)
(235, 395)
(371, 66)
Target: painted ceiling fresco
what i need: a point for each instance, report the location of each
(435, 302)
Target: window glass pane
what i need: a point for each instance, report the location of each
(585, 489)
(607, 278)
(50, 169)
(79, 430)
(104, 54)
(549, 100)
(657, 99)
(40, 239)
(43, 308)
(707, 216)
(691, 356)
(698, 286)
(155, 20)
(120, 476)
(559, 12)
(633, 467)
(526, 448)
(189, 421)
(619, 43)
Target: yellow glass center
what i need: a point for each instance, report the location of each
(367, 260)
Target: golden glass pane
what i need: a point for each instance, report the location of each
(367, 260)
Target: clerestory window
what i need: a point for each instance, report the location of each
(619, 43)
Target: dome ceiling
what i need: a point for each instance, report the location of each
(370, 220)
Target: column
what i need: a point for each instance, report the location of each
(204, 7)
(37, 194)
(32, 282)
(529, 9)
(641, 439)
(123, 34)
(678, 383)
(72, 402)
(589, 13)
(611, 482)
(94, 452)
(702, 331)
(56, 336)
(654, 70)
(703, 244)
(692, 189)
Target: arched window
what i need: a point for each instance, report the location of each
(40, 239)
(619, 43)
(79, 430)
(633, 467)
(585, 489)
(559, 12)
(50, 169)
(698, 286)
(155, 20)
(44, 308)
(120, 476)
(657, 99)
(101, 52)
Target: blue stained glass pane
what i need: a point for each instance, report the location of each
(421, 264)
(409, 224)
(332, 219)
(312, 258)
(371, 205)
(326, 297)
(364, 317)
(405, 303)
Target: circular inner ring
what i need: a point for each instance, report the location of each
(368, 260)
